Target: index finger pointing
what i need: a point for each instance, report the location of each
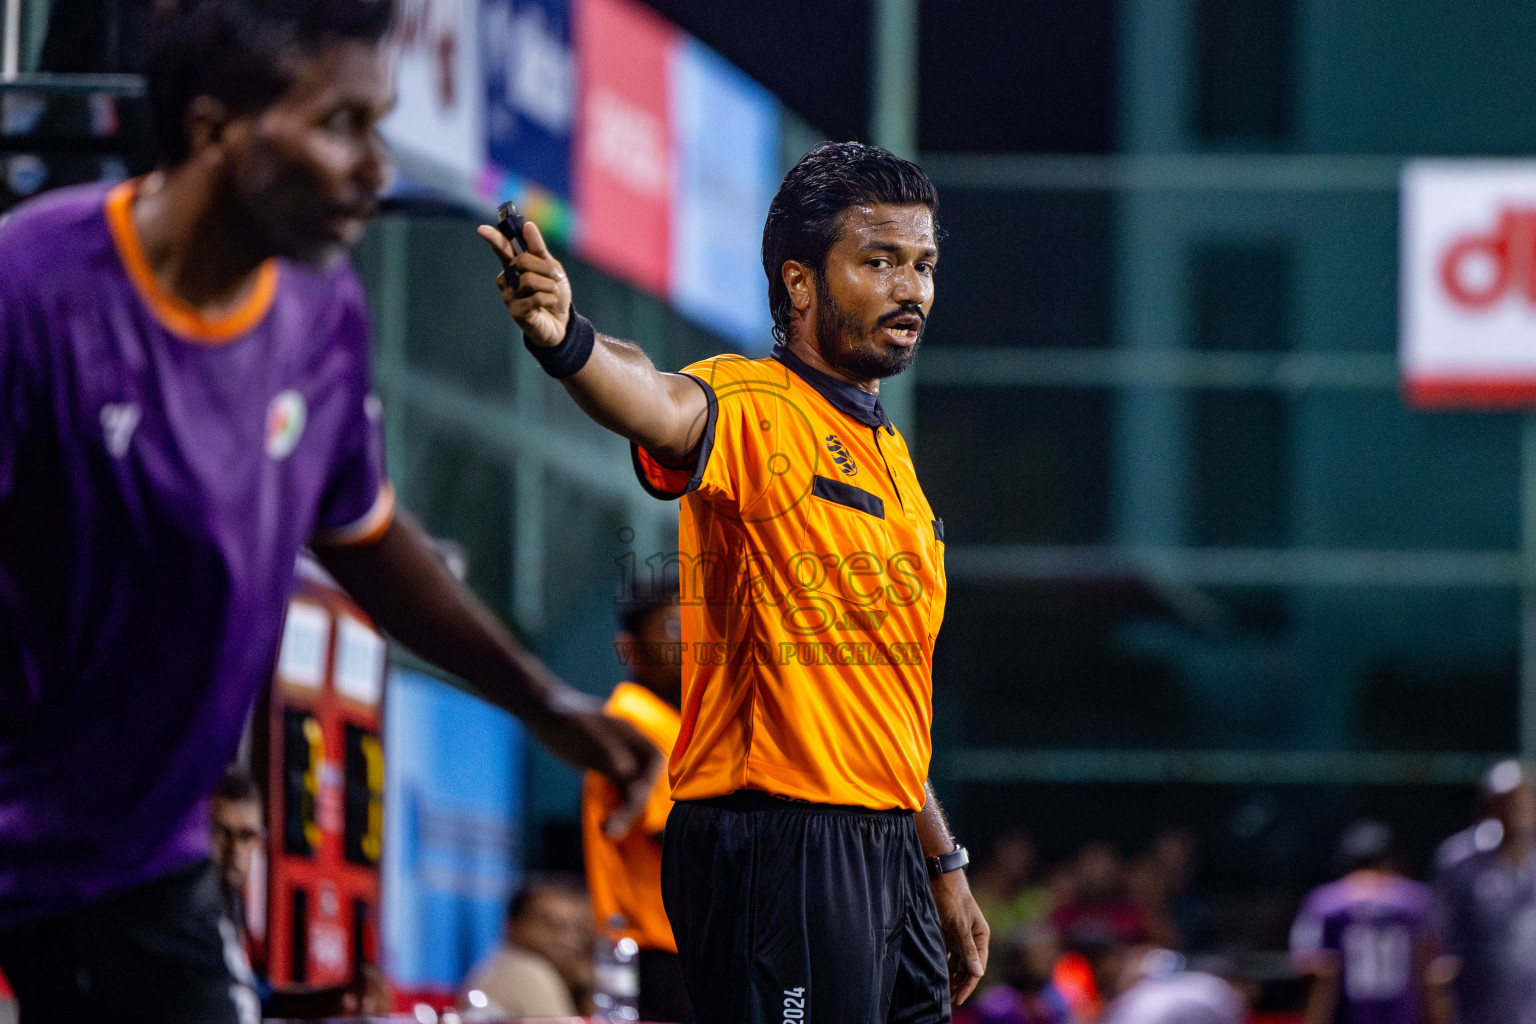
(498, 242)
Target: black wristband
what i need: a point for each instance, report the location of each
(568, 357)
(943, 864)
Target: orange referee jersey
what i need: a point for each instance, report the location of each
(624, 875)
(811, 570)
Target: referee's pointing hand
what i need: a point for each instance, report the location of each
(541, 300)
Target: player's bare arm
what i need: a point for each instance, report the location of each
(1322, 995)
(618, 387)
(966, 934)
(402, 583)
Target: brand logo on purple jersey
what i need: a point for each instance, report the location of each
(118, 422)
(285, 423)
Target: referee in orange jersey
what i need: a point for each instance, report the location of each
(624, 872)
(808, 871)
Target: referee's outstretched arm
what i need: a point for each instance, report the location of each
(616, 384)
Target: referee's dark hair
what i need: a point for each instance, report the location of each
(802, 222)
(241, 53)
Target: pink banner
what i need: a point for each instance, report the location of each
(623, 152)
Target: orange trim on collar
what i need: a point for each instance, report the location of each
(179, 317)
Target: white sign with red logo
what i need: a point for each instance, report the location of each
(1468, 332)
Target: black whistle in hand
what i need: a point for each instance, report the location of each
(510, 225)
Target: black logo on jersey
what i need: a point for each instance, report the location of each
(840, 455)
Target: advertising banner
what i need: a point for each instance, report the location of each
(1468, 283)
(438, 120)
(623, 155)
(529, 70)
(453, 831)
(726, 156)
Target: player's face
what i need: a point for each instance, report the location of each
(308, 173)
(659, 666)
(873, 298)
(237, 835)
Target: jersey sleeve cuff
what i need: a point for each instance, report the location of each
(667, 482)
(365, 530)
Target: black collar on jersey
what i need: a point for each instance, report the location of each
(854, 401)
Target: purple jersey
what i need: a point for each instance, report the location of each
(159, 471)
(1368, 927)
(1004, 1004)
(1485, 912)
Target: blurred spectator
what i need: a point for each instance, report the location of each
(1484, 834)
(1363, 940)
(1151, 986)
(1152, 888)
(1100, 911)
(1485, 910)
(544, 966)
(1060, 885)
(1023, 992)
(1175, 851)
(238, 824)
(1004, 885)
(624, 873)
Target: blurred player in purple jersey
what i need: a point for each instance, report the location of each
(185, 401)
(1485, 908)
(1364, 939)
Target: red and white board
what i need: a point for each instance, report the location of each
(1468, 284)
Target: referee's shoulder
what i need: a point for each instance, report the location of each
(730, 370)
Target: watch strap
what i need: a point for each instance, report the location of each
(943, 864)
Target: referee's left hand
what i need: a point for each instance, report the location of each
(966, 934)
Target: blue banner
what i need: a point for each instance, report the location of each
(454, 799)
(529, 72)
(726, 170)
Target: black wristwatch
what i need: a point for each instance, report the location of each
(943, 864)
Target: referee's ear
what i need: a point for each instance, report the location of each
(800, 282)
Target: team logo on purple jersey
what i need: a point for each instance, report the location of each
(285, 424)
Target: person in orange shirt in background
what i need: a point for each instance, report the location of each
(624, 873)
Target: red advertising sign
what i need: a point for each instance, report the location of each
(623, 152)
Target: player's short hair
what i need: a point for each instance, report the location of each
(558, 883)
(802, 222)
(634, 608)
(237, 787)
(241, 53)
(1365, 844)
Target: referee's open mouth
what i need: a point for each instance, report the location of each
(902, 329)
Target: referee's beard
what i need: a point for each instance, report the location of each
(854, 347)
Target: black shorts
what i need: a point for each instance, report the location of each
(794, 913)
(663, 996)
(153, 954)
